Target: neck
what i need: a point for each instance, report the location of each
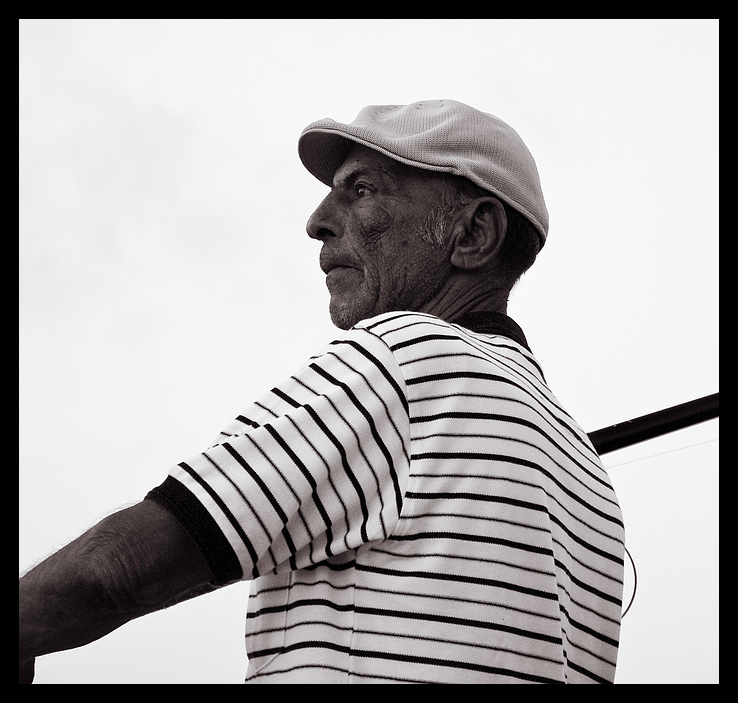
(465, 294)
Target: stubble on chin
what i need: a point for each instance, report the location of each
(345, 314)
(350, 306)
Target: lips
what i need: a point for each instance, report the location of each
(340, 279)
(329, 262)
(341, 274)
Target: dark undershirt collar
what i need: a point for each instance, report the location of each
(489, 322)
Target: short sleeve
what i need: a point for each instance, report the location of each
(315, 468)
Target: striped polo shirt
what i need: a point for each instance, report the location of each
(413, 505)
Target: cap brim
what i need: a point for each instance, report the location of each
(322, 153)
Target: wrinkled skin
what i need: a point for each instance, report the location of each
(374, 255)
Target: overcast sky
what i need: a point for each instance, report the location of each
(166, 279)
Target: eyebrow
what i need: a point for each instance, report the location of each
(352, 176)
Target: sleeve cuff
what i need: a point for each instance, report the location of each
(202, 528)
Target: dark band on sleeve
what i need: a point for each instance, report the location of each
(203, 529)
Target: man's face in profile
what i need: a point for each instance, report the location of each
(370, 224)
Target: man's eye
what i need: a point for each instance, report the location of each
(362, 190)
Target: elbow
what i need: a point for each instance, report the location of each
(114, 575)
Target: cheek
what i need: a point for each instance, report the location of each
(374, 222)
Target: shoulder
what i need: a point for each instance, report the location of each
(373, 342)
(397, 329)
(372, 353)
(426, 344)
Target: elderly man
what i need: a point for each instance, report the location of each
(413, 504)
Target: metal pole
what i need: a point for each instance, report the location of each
(639, 429)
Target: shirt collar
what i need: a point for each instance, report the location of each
(489, 322)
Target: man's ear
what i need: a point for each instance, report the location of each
(478, 233)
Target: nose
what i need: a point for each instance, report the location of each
(321, 224)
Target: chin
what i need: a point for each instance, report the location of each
(343, 321)
(345, 316)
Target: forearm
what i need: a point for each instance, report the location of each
(133, 562)
(66, 601)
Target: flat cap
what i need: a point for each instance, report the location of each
(437, 135)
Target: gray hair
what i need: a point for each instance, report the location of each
(521, 244)
(455, 195)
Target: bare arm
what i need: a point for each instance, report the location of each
(131, 563)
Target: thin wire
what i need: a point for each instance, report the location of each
(630, 556)
(635, 583)
(668, 451)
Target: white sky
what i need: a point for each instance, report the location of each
(166, 279)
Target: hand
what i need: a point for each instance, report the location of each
(26, 671)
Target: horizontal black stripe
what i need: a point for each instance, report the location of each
(454, 375)
(301, 603)
(342, 670)
(248, 422)
(590, 631)
(421, 638)
(587, 545)
(482, 497)
(399, 316)
(473, 516)
(611, 663)
(419, 340)
(445, 641)
(590, 589)
(458, 578)
(489, 349)
(332, 567)
(482, 396)
(448, 599)
(404, 615)
(283, 396)
(462, 557)
(413, 639)
(460, 415)
(587, 673)
(473, 538)
(408, 658)
(265, 408)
